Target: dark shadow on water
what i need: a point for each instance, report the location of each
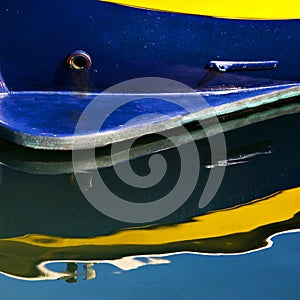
(46, 213)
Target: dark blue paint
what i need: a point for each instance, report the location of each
(140, 107)
(124, 43)
(57, 114)
(37, 36)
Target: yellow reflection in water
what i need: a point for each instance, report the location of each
(235, 230)
(243, 218)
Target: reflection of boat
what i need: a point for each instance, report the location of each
(214, 51)
(50, 163)
(254, 169)
(235, 230)
(57, 224)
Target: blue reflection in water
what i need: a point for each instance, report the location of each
(267, 274)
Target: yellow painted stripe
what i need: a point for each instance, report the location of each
(232, 9)
(241, 219)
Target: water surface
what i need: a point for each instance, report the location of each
(243, 244)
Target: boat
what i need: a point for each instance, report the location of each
(171, 62)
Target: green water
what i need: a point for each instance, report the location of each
(47, 226)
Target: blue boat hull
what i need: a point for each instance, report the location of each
(127, 43)
(36, 41)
